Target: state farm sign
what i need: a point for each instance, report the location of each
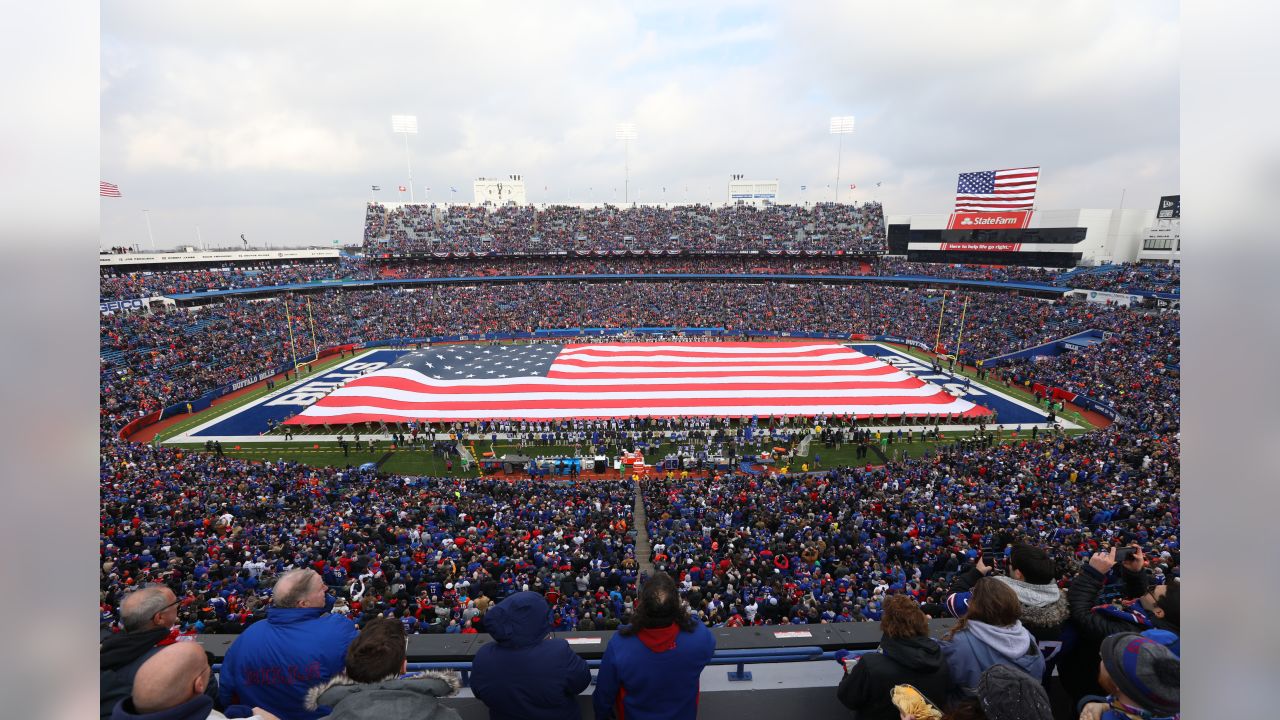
(989, 221)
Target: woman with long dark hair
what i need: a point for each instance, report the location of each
(651, 667)
(990, 633)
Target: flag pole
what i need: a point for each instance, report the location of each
(315, 349)
(960, 335)
(288, 319)
(937, 340)
(147, 215)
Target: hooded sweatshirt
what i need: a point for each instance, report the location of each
(523, 673)
(919, 662)
(1044, 607)
(980, 646)
(653, 673)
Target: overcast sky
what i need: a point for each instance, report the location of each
(273, 118)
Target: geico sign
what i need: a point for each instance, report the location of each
(1000, 220)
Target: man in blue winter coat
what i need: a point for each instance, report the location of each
(525, 673)
(652, 666)
(275, 662)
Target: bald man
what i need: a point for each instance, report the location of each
(171, 685)
(300, 644)
(149, 615)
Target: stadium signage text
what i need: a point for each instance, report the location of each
(983, 246)
(316, 389)
(114, 305)
(922, 371)
(989, 221)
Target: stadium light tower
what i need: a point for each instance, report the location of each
(626, 132)
(840, 125)
(406, 125)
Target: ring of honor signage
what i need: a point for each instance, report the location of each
(989, 220)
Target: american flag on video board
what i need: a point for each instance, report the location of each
(997, 190)
(730, 379)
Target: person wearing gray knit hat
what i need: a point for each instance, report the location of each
(1140, 673)
(1007, 693)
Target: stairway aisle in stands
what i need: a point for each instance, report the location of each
(641, 524)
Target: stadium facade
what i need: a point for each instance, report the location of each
(1043, 238)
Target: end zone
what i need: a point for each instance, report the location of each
(1008, 409)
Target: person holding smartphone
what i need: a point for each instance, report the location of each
(1031, 575)
(1143, 607)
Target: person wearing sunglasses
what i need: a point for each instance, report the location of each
(149, 616)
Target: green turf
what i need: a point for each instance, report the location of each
(846, 455)
(418, 462)
(329, 454)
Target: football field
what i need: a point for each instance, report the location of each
(262, 421)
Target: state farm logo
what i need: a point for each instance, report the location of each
(1002, 220)
(988, 221)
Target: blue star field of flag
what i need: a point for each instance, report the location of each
(481, 362)
(977, 183)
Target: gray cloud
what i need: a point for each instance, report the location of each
(273, 118)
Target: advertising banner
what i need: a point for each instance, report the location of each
(989, 220)
(1170, 208)
(983, 246)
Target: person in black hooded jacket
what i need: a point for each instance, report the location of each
(907, 656)
(524, 673)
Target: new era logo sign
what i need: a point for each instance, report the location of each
(1167, 204)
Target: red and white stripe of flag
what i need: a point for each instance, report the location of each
(654, 380)
(106, 189)
(1015, 189)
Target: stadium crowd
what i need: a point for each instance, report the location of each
(1148, 277)
(116, 284)
(173, 355)
(824, 227)
(830, 547)
(217, 531)
(434, 555)
(119, 283)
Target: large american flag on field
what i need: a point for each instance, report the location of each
(536, 381)
(996, 190)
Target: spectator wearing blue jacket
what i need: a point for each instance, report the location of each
(652, 666)
(988, 634)
(274, 663)
(525, 673)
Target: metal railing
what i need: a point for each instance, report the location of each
(738, 658)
